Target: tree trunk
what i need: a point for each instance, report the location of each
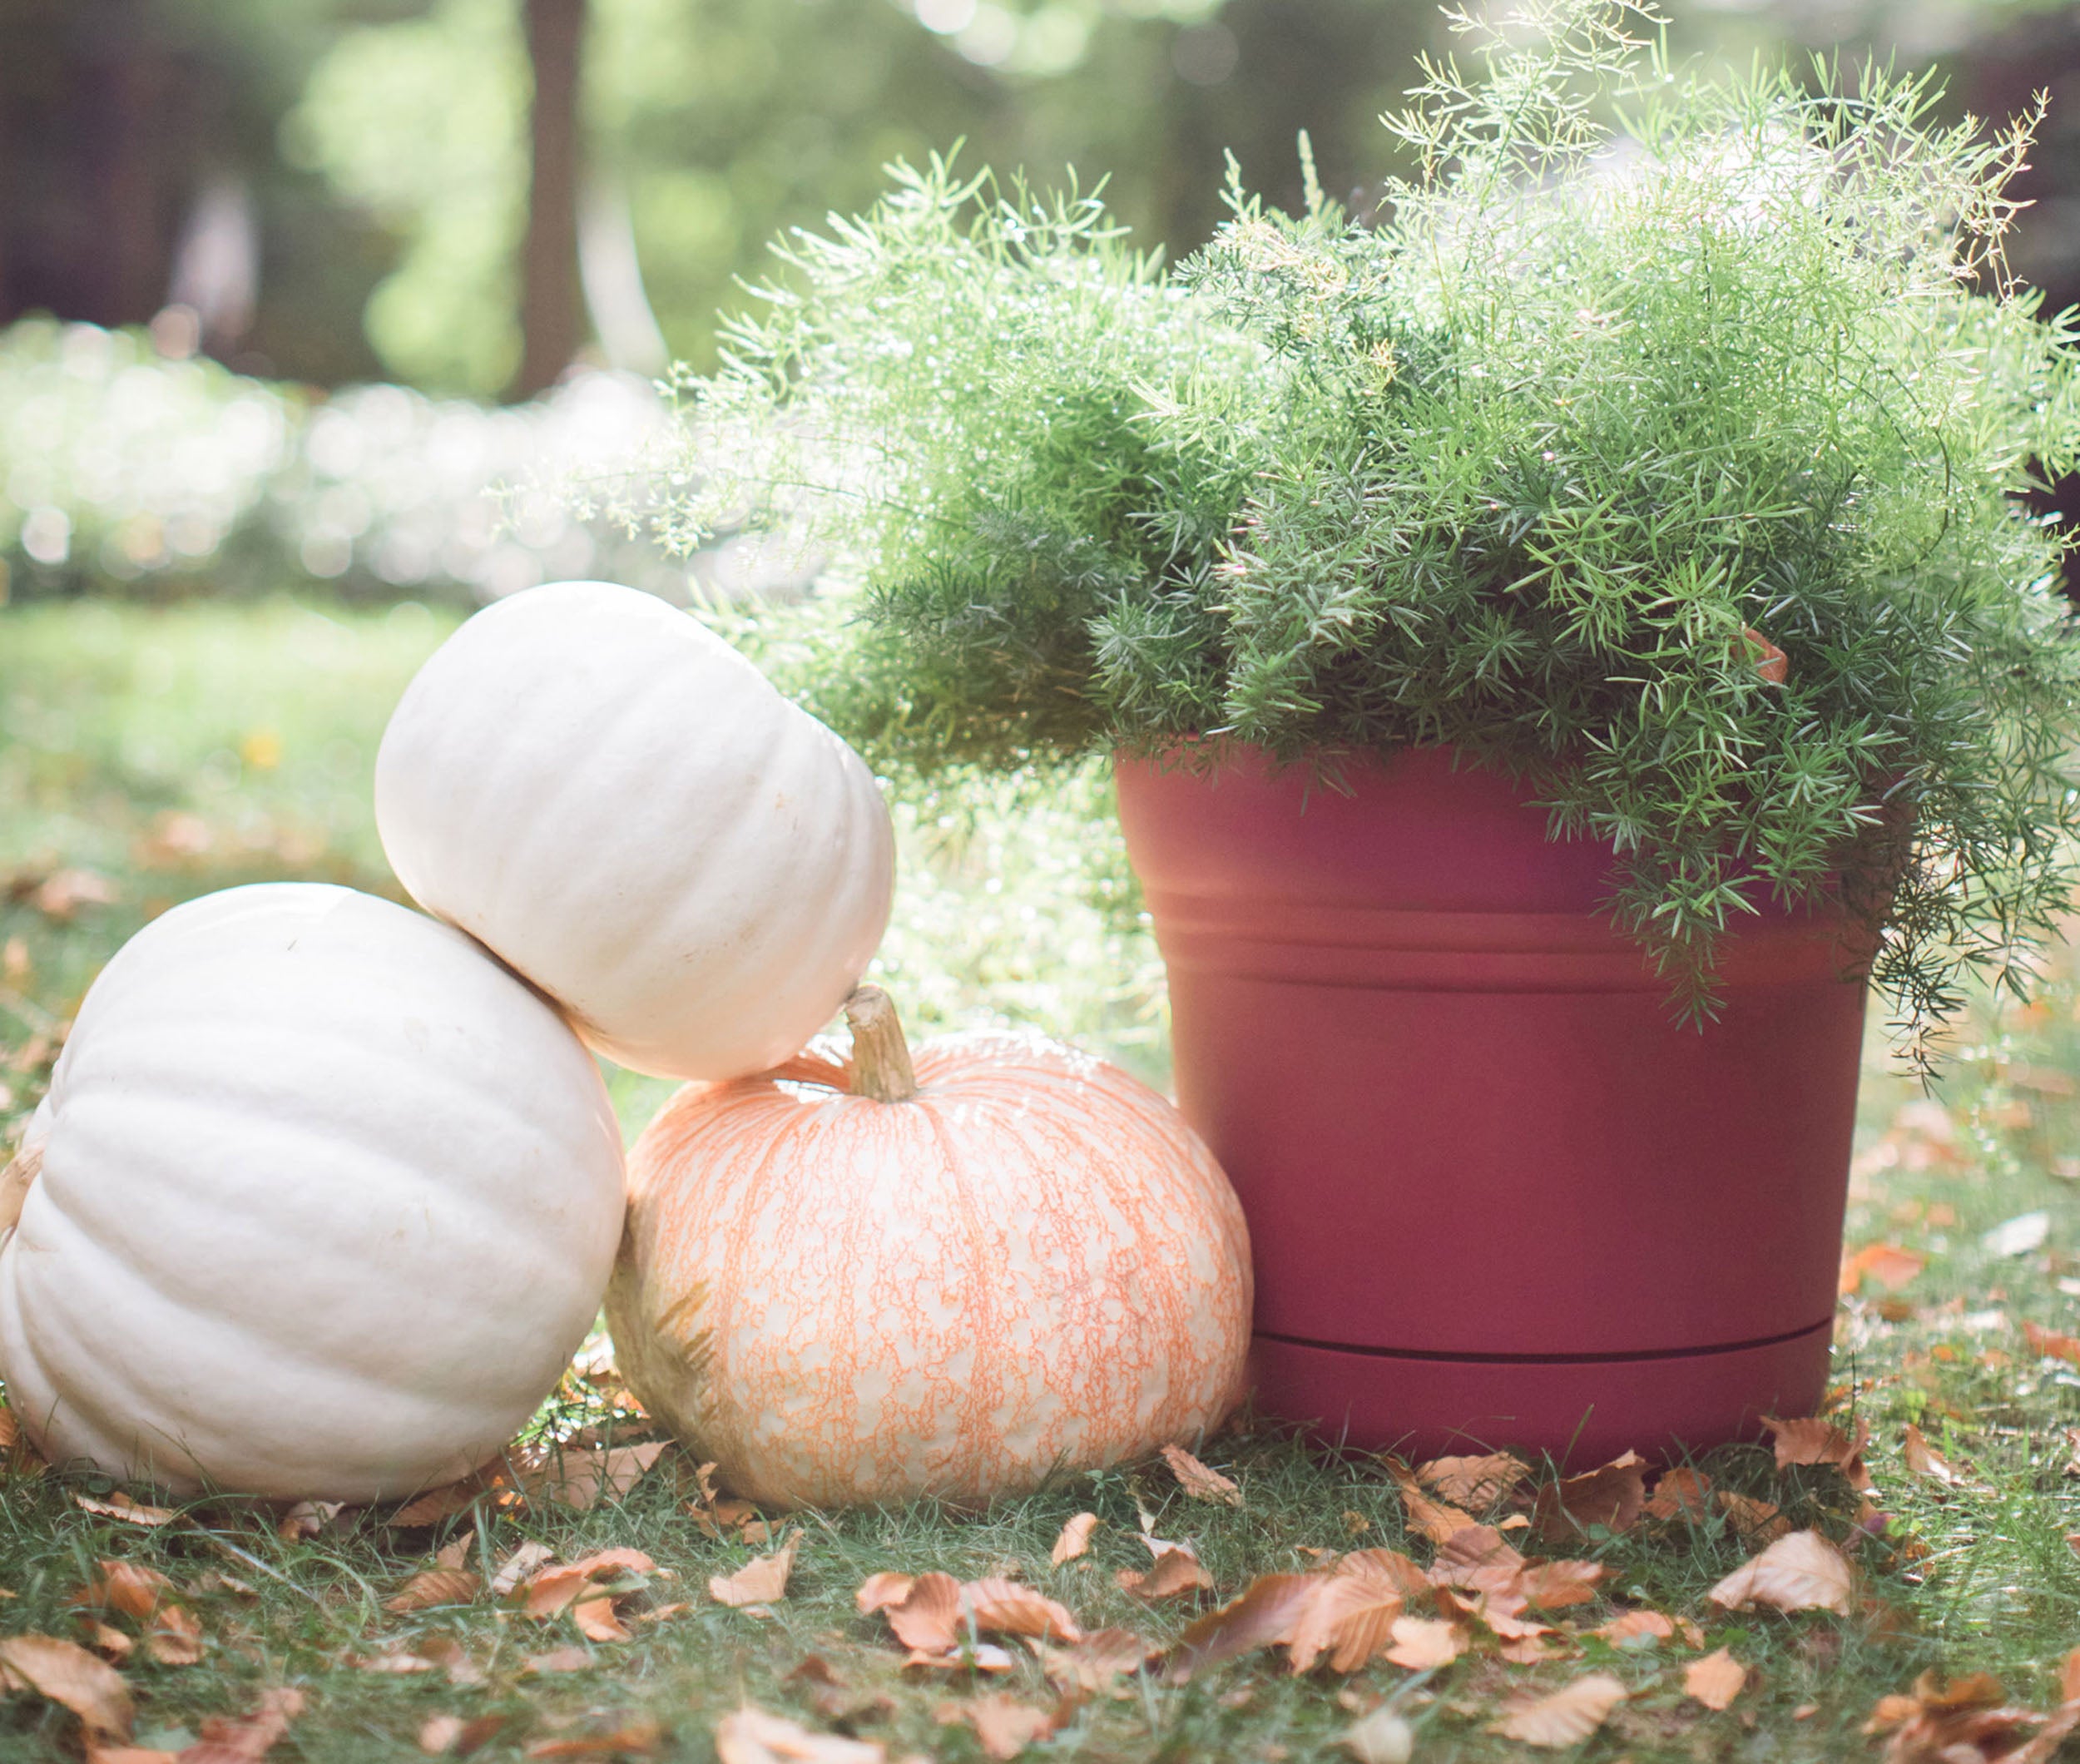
(552, 306)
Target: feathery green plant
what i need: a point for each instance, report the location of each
(1639, 363)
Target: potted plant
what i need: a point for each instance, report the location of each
(1561, 637)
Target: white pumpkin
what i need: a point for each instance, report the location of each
(618, 804)
(322, 1200)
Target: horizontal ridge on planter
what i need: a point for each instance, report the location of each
(1494, 1188)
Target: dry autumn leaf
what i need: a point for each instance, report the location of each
(2052, 1346)
(174, 1637)
(1000, 1607)
(1812, 1440)
(1092, 1664)
(1611, 1497)
(434, 1586)
(1423, 1643)
(558, 1660)
(1886, 1264)
(246, 1739)
(640, 1738)
(1199, 1482)
(1553, 1586)
(759, 1582)
(124, 1587)
(61, 894)
(1354, 1610)
(582, 1480)
(1752, 1519)
(64, 1673)
(1263, 1616)
(1923, 1459)
(1682, 1493)
(596, 1620)
(1381, 1737)
(1716, 1680)
(1636, 1629)
(449, 1735)
(750, 1736)
(1003, 1725)
(1474, 1555)
(1801, 1572)
(442, 1502)
(1075, 1538)
(1436, 1520)
(884, 1589)
(925, 1617)
(1177, 1571)
(1473, 1482)
(1567, 1717)
(519, 1566)
(554, 1588)
(119, 1505)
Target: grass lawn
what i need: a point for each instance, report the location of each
(149, 755)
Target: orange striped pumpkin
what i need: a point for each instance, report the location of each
(854, 1281)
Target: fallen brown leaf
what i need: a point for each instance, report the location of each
(1475, 1554)
(2051, 1344)
(434, 1586)
(174, 1637)
(64, 1673)
(111, 1644)
(1092, 1664)
(1473, 1482)
(1752, 1519)
(1263, 1616)
(750, 1736)
(1682, 1493)
(308, 1518)
(639, 1738)
(596, 1620)
(1000, 1607)
(1965, 1719)
(977, 1657)
(1889, 1265)
(1075, 1538)
(1612, 1497)
(61, 894)
(1004, 1727)
(1801, 1572)
(442, 1502)
(1567, 1717)
(884, 1589)
(1716, 1680)
(1632, 1629)
(124, 1587)
(559, 1660)
(1423, 1643)
(1381, 1737)
(1354, 1610)
(553, 1588)
(759, 1582)
(1923, 1459)
(1435, 1520)
(582, 1480)
(119, 1505)
(1177, 1571)
(926, 1618)
(1553, 1586)
(1199, 1482)
(246, 1739)
(449, 1735)
(1811, 1439)
(519, 1566)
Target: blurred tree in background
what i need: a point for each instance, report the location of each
(459, 193)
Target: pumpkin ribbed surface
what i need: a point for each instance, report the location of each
(609, 796)
(1033, 1263)
(326, 1201)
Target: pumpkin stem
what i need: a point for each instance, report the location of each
(15, 1181)
(881, 1057)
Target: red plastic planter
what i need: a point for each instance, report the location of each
(1497, 1195)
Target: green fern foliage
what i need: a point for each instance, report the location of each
(1642, 369)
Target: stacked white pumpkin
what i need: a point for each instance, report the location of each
(325, 1193)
